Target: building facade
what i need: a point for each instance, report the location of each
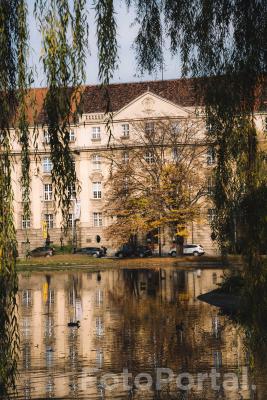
(91, 143)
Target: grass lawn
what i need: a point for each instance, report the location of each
(62, 261)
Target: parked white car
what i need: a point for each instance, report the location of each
(189, 250)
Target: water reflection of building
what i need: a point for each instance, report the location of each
(128, 319)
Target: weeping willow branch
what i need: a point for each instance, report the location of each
(64, 39)
(107, 52)
(13, 73)
(24, 80)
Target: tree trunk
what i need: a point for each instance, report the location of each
(179, 246)
(159, 242)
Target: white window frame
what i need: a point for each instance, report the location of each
(96, 133)
(176, 154)
(149, 157)
(27, 297)
(99, 324)
(25, 223)
(211, 156)
(211, 214)
(49, 219)
(46, 137)
(150, 128)
(48, 192)
(125, 130)
(47, 165)
(176, 127)
(72, 136)
(126, 184)
(125, 157)
(71, 221)
(97, 219)
(210, 185)
(96, 158)
(97, 190)
(72, 192)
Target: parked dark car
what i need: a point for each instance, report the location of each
(91, 251)
(129, 251)
(42, 252)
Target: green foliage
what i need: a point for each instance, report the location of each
(64, 67)
(13, 37)
(64, 72)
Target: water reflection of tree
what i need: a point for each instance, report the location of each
(149, 333)
(9, 335)
(251, 320)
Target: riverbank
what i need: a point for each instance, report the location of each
(64, 261)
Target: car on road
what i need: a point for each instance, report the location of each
(91, 251)
(130, 251)
(189, 250)
(42, 252)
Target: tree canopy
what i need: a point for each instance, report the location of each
(156, 179)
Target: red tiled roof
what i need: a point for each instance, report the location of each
(183, 92)
(179, 91)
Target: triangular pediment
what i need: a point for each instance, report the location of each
(150, 105)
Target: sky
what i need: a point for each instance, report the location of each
(127, 71)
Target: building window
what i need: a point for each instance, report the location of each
(211, 156)
(126, 184)
(72, 192)
(175, 128)
(125, 130)
(99, 326)
(46, 137)
(96, 134)
(99, 298)
(25, 223)
(125, 157)
(48, 192)
(51, 296)
(49, 219)
(98, 221)
(70, 221)
(211, 214)
(99, 358)
(97, 190)
(47, 165)
(27, 298)
(71, 135)
(96, 161)
(216, 326)
(149, 128)
(149, 157)
(265, 124)
(211, 125)
(210, 185)
(217, 357)
(176, 155)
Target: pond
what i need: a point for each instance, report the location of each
(142, 334)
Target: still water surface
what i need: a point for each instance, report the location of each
(137, 320)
